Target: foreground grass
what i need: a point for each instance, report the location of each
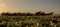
(25, 21)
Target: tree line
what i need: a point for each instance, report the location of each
(39, 13)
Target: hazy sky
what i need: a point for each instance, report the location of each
(30, 6)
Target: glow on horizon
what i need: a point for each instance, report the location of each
(30, 6)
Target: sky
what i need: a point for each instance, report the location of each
(30, 6)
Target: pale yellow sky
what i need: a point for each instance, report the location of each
(30, 6)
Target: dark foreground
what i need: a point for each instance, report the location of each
(29, 21)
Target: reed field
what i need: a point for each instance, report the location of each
(27, 21)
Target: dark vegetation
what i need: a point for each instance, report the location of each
(6, 19)
(26, 14)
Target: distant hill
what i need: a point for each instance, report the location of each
(56, 15)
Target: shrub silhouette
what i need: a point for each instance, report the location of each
(38, 13)
(26, 14)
